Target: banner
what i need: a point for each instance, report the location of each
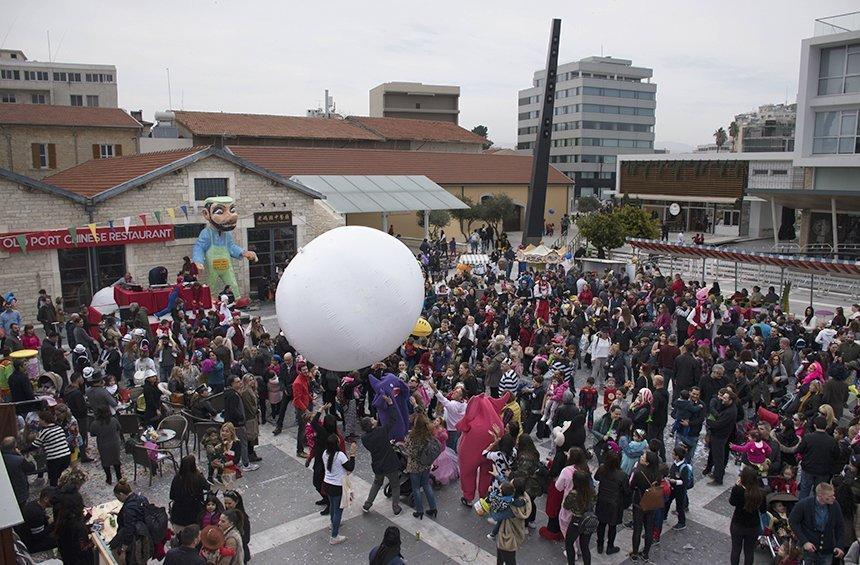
(82, 237)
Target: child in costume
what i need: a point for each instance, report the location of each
(757, 452)
(444, 469)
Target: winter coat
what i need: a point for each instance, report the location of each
(108, 435)
(613, 495)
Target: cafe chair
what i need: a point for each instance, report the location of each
(129, 424)
(191, 419)
(200, 431)
(178, 424)
(142, 457)
(217, 402)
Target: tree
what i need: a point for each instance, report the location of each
(467, 216)
(497, 208)
(734, 130)
(588, 204)
(482, 131)
(603, 230)
(720, 137)
(637, 222)
(438, 219)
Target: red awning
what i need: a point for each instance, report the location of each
(809, 265)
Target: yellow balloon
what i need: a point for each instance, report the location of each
(422, 328)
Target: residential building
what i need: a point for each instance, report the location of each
(415, 101)
(37, 140)
(277, 217)
(465, 175)
(713, 148)
(769, 129)
(23, 81)
(709, 192)
(356, 132)
(827, 141)
(604, 108)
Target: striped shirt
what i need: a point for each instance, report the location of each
(53, 440)
(565, 369)
(509, 382)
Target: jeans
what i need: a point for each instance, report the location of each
(300, 431)
(242, 436)
(422, 481)
(746, 541)
(679, 495)
(808, 482)
(335, 512)
(570, 538)
(393, 482)
(453, 438)
(282, 410)
(597, 370)
(642, 521)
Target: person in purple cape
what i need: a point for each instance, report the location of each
(389, 385)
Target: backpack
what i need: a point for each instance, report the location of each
(588, 523)
(429, 453)
(142, 549)
(155, 518)
(688, 476)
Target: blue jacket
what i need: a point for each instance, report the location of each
(802, 520)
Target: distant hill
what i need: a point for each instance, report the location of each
(674, 146)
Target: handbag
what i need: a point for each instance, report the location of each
(651, 499)
(348, 494)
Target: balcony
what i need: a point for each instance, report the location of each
(837, 24)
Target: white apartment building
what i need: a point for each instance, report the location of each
(604, 108)
(827, 139)
(23, 81)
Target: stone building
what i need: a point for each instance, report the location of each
(106, 191)
(39, 140)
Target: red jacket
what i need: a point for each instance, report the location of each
(301, 393)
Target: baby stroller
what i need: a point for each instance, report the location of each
(405, 483)
(776, 530)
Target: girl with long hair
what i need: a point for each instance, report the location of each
(186, 494)
(748, 500)
(419, 472)
(233, 501)
(646, 474)
(337, 465)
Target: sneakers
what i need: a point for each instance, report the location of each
(251, 467)
(491, 537)
(397, 511)
(679, 527)
(301, 455)
(337, 540)
(610, 549)
(365, 508)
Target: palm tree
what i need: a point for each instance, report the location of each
(720, 137)
(734, 130)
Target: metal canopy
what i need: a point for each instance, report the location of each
(349, 194)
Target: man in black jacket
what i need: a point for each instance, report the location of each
(709, 385)
(53, 359)
(17, 467)
(691, 440)
(186, 552)
(21, 389)
(659, 414)
(686, 373)
(77, 403)
(234, 412)
(818, 524)
(383, 459)
(819, 451)
(286, 377)
(720, 429)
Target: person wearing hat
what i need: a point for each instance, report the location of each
(150, 410)
(53, 359)
(77, 403)
(215, 246)
(80, 358)
(98, 396)
(212, 540)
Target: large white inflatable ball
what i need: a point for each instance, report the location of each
(350, 298)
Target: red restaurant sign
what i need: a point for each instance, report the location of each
(62, 239)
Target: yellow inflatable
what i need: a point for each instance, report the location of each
(422, 328)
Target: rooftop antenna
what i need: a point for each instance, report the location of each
(8, 31)
(327, 104)
(59, 45)
(49, 45)
(182, 99)
(601, 50)
(169, 95)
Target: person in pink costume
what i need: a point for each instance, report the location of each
(482, 415)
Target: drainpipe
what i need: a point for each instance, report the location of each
(75, 138)
(8, 137)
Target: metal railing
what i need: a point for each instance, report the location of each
(839, 23)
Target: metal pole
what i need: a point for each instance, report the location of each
(811, 285)
(427, 225)
(781, 279)
(385, 222)
(773, 220)
(736, 276)
(703, 270)
(835, 230)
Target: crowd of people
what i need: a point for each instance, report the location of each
(552, 383)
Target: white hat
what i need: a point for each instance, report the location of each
(88, 372)
(79, 348)
(126, 338)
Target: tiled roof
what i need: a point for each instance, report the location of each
(440, 167)
(417, 130)
(262, 125)
(82, 116)
(97, 175)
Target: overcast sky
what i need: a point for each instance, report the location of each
(711, 60)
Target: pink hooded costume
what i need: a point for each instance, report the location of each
(482, 415)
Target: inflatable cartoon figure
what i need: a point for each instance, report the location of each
(215, 246)
(390, 385)
(482, 415)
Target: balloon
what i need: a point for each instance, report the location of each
(422, 328)
(350, 297)
(104, 302)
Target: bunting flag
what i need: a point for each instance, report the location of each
(157, 217)
(184, 209)
(93, 231)
(22, 242)
(172, 213)
(126, 223)
(110, 224)
(73, 233)
(142, 218)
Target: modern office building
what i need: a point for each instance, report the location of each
(766, 130)
(61, 84)
(604, 108)
(827, 140)
(416, 101)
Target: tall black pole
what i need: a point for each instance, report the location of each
(536, 204)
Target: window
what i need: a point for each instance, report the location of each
(418, 105)
(529, 115)
(527, 130)
(836, 132)
(760, 172)
(13, 55)
(9, 74)
(35, 75)
(38, 99)
(206, 187)
(60, 77)
(187, 231)
(44, 155)
(625, 110)
(92, 101)
(839, 70)
(105, 151)
(779, 172)
(607, 175)
(7, 98)
(587, 175)
(76, 100)
(525, 145)
(74, 77)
